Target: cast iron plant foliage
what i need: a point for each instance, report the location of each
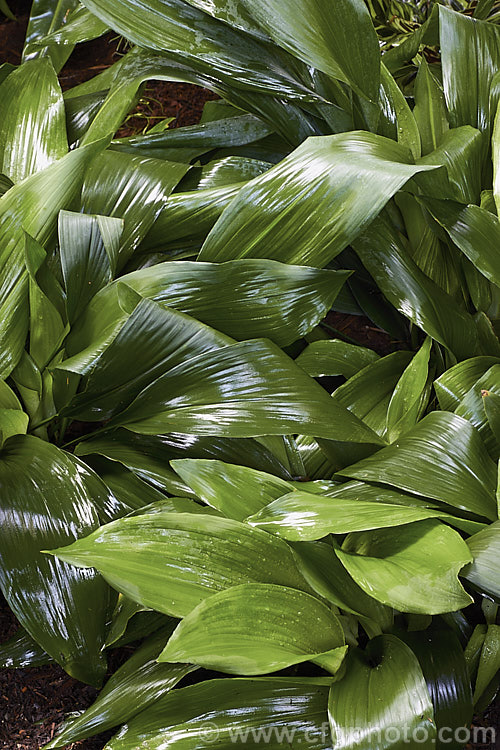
(171, 470)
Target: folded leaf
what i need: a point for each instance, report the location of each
(412, 568)
(334, 357)
(257, 628)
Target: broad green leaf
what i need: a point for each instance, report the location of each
(243, 298)
(129, 188)
(88, 246)
(32, 124)
(236, 491)
(405, 403)
(475, 231)
(407, 131)
(79, 26)
(247, 712)
(495, 155)
(335, 357)
(149, 456)
(255, 629)
(483, 572)
(22, 651)
(470, 55)
(229, 170)
(8, 399)
(137, 684)
(152, 341)
(192, 37)
(443, 458)
(243, 390)
(442, 661)
(430, 108)
(473, 407)
(454, 383)
(47, 501)
(329, 188)
(413, 568)
(385, 256)
(337, 38)
(47, 16)
(382, 696)
(302, 517)
(12, 422)
(327, 576)
(172, 561)
(489, 663)
(233, 14)
(32, 205)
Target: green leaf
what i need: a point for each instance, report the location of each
(383, 695)
(129, 188)
(241, 711)
(255, 629)
(405, 404)
(88, 246)
(470, 55)
(48, 501)
(452, 467)
(191, 37)
(407, 131)
(413, 569)
(243, 299)
(135, 686)
(475, 231)
(172, 561)
(476, 404)
(236, 491)
(8, 399)
(243, 390)
(32, 205)
(489, 663)
(47, 16)
(329, 188)
(22, 651)
(12, 422)
(430, 108)
(4, 8)
(483, 572)
(335, 357)
(386, 257)
(337, 38)
(301, 516)
(32, 124)
(453, 384)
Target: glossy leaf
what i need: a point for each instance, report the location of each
(430, 108)
(338, 39)
(236, 491)
(172, 561)
(452, 467)
(22, 651)
(48, 502)
(412, 568)
(255, 629)
(243, 298)
(300, 516)
(330, 188)
(383, 694)
(129, 188)
(454, 383)
(32, 125)
(137, 684)
(476, 408)
(483, 572)
(47, 16)
(241, 711)
(489, 663)
(242, 390)
(334, 357)
(12, 422)
(406, 401)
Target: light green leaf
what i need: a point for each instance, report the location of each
(172, 561)
(489, 663)
(452, 465)
(329, 188)
(241, 711)
(48, 501)
(407, 131)
(430, 108)
(255, 629)
(302, 517)
(12, 422)
(236, 491)
(383, 693)
(413, 568)
(32, 124)
(483, 572)
(335, 357)
(47, 16)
